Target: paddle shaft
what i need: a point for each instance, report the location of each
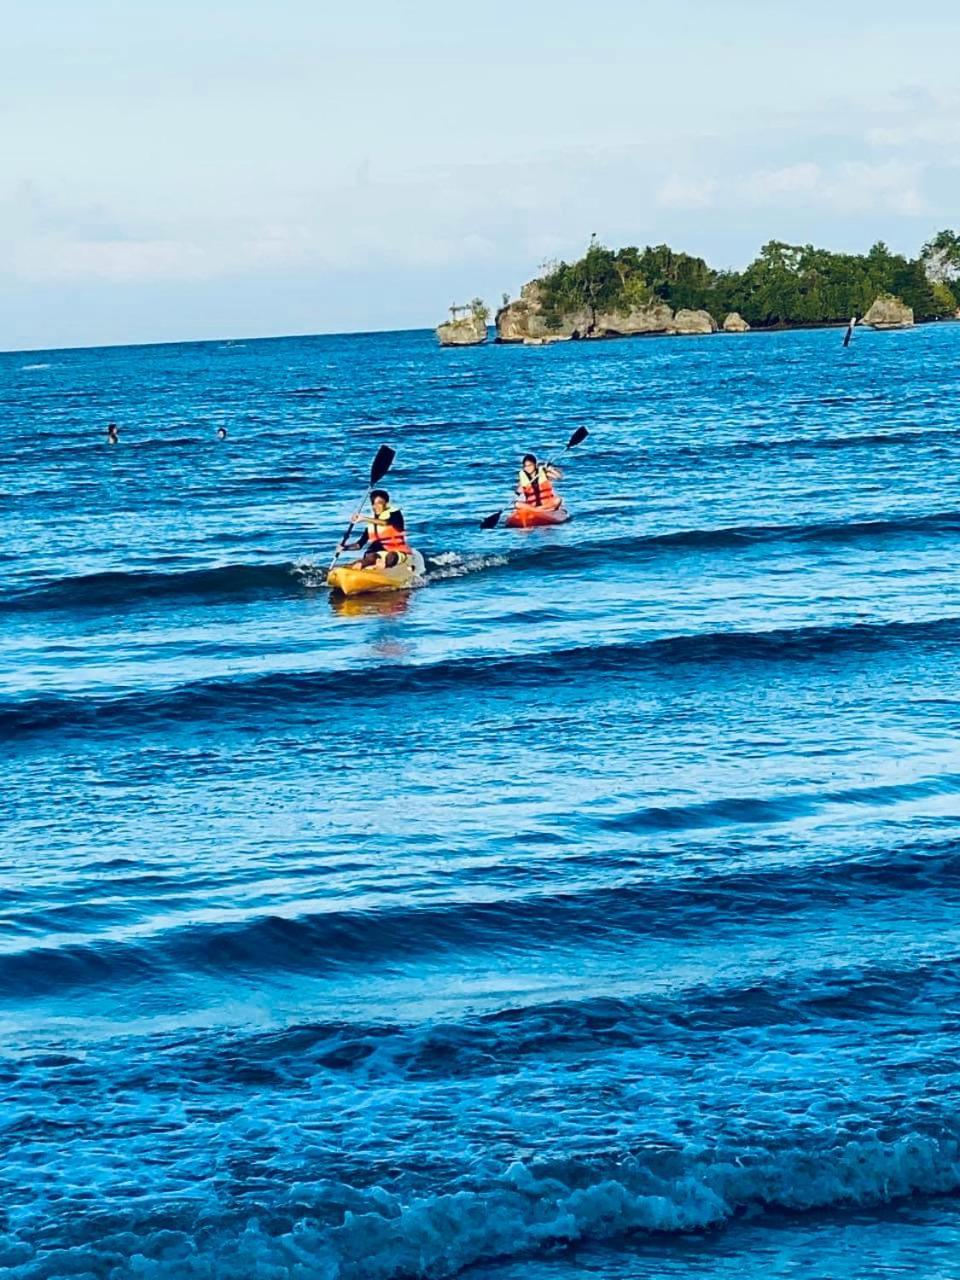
(350, 528)
(577, 438)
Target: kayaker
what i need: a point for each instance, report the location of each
(534, 487)
(383, 541)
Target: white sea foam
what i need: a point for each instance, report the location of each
(309, 573)
(449, 564)
(381, 1237)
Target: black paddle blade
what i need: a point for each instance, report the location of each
(381, 463)
(578, 437)
(490, 522)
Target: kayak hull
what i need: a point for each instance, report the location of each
(524, 517)
(352, 580)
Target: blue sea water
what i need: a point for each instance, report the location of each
(590, 911)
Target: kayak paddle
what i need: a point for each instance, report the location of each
(581, 433)
(578, 437)
(381, 464)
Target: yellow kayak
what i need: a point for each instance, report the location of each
(352, 580)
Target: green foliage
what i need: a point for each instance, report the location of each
(941, 260)
(947, 242)
(786, 284)
(677, 278)
(590, 285)
(479, 309)
(635, 293)
(948, 300)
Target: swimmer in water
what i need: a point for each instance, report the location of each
(221, 433)
(112, 434)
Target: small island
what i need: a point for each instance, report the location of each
(467, 326)
(631, 292)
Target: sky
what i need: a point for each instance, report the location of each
(174, 171)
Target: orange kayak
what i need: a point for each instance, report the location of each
(524, 517)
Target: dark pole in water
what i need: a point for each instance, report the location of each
(849, 334)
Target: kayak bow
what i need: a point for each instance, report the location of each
(352, 580)
(526, 517)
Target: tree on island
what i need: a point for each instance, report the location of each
(786, 284)
(941, 261)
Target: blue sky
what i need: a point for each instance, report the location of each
(174, 171)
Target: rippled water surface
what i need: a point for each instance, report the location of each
(590, 911)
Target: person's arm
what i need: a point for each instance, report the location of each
(360, 543)
(554, 473)
(393, 521)
(379, 521)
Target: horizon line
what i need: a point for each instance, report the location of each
(196, 342)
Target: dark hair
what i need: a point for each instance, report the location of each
(222, 432)
(380, 493)
(529, 457)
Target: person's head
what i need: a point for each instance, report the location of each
(221, 433)
(530, 464)
(111, 431)
(379, 500)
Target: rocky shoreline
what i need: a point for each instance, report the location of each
(525, 322)
(535, 319)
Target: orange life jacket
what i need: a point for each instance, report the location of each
(389, 537)
(537, 490)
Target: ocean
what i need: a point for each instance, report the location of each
(591, 911)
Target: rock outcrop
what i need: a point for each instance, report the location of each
(524, 319)
(889, 312)
(735, 323)
(654, 317)
(468, 330)
(694, 322)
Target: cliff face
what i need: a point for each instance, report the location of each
(525, 321)
(654, 317)
(888, 312)
(467, 331)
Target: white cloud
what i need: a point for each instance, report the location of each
(853, 188)
(118, 261)
(684, 192)
(416, 221)
(939, 132)
(927, 119)
(139, 261)
(790, 180)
